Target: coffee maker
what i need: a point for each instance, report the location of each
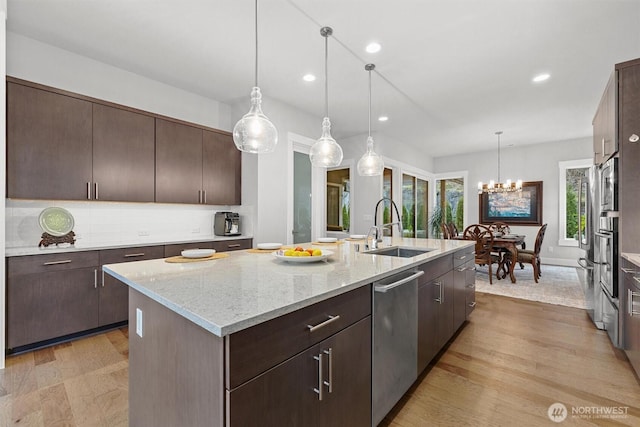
(226, 224)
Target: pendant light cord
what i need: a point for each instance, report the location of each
(369, 102)
(498, 133)
(256, 34)
(326, 76)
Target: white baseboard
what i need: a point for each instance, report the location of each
(560, 261)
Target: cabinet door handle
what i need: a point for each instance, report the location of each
(103, 278)
(199, 196)
(439, 299)
(630, 295)
(95, 190)
(88, 190)
(134, 255)
(329, 383)
(473, 304)
(628, 270)
(331, 319)
(95, 279)
(320, 389)
(462, 257)
(461, 269)
(471, 286)
(204, 196)
(236, 245)
(65, 261)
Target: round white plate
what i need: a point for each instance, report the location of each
(56, 221)
(197, 253)
(302, 259)
(327, 239)
(268, 246)
(358, 236)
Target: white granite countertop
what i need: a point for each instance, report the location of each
(65, 247)
(634, 258)
(230, 294)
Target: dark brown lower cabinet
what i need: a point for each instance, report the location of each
(631, 310)
(328, 384)
(47, 305)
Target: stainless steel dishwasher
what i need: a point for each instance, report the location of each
(395, 340)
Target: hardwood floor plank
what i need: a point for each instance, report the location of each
(56, 410)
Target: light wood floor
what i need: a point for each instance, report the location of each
(507, 365)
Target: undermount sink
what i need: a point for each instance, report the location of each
(398, 251)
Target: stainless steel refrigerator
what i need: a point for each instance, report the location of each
(589, 273)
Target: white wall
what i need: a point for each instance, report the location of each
(3, 160)
(530, 163)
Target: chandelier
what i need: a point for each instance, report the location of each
(499, 187)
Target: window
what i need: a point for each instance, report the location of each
(449, 204)
(415, 196)
(338, 203)
(570, 222)
(387, 193)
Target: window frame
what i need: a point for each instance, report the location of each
(563, 166)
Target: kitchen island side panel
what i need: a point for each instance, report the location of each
(175, 369)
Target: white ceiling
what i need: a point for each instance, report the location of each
(450, 73)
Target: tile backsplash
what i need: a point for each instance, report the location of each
(99, 224)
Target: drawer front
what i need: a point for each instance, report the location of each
(232, 245)
(435, 268)
(176, 249)
(51, 262)
(463, 256)
(254, 350)
(471, 301)
(113, 256)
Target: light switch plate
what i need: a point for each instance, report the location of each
(139, 322)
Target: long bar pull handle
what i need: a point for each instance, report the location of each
(320, 389)
(88, 190)
(65, 261)
(385, 288)
(630, 296)
(236, 245)
(439, 299)
(204, 196)
(95, 190)
(472, 304)
(471, 286)
(134, 255)
(626, 270)
(95, 278)
(199, 196)
(103, 278)
(331, 319)
(329, 383)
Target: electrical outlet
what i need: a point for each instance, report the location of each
(550, 248)
(367, 217)
(196, 230)
(143, 233)
(139, 322)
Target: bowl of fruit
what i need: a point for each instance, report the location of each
(301, 255)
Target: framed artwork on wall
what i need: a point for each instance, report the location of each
(514, 208)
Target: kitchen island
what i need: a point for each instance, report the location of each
(245, 339)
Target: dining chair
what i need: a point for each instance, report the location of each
(532, 256)
(484, 246)
(445, 231)
(500, 227)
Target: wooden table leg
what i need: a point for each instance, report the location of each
(513, 251)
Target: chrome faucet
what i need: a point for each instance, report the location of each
(377, 229)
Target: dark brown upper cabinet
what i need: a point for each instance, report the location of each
(49, 145)
(123, 155)
(221, 169)
(196, 166)
(178, 163)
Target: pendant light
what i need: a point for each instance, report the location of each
(370, 164)
(499, 187)
(254, 133)
(326, 152)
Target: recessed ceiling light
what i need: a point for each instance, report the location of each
(383, 118)
(541, 77)
(373, 47)
(309, 78)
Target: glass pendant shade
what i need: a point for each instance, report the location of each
(254, 133)
(325, 152)
(370, 164)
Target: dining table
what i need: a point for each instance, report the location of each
(510, 243)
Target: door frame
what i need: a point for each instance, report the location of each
(302, 144)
